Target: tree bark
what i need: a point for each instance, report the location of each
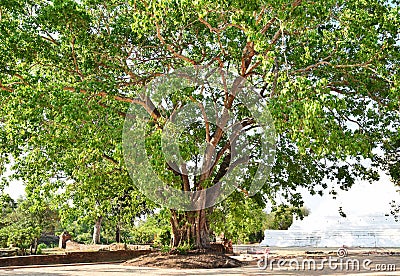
(117, 235)
(190, 227)
(96, 230)
(34, 246)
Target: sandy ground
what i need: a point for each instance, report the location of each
(117, 269)
(280, 262)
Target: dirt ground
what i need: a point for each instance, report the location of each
(281, 261)
(120, 270)
(190, 260)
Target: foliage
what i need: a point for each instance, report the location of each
(4, 237)
(22, 236)
(7, 204)
(391, 160)
(239, 219)
(184, 247)
(84, 237)
(390, 163)
(80, 230)
(163, 237)
(282, 217)
(155, 229)
(142, 235)
(244, 220)
(40, 247)
(165, 249)
(21, 225)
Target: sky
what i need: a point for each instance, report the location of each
(362, 198)
(15, 189)
(364, 201)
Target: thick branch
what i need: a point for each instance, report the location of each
(223, 168)
(185, 178)
(248, 54)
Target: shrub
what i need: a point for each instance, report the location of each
(185, 247)
(165, 249)
(40, 247)
(141, 236)
(4, 234)
(23, 237)
(85, 238)
(163, 238)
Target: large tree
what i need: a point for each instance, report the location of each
(69, 70)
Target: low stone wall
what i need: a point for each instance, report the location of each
(73, 257)
(8, 252)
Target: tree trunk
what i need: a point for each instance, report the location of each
(117, 234)
(96, 230)
(34, 246)
(190, 227)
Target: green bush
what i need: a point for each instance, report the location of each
(154, 230)
(139, 235)
(163, 238)
(22, 237)
(40, 247)
(185, 247)
(85, 238)
(165, 249)
(4, 234)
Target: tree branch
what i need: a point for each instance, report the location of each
(206, 122)
(184, 177)
(169, 47)
(268, 25)
(5, 88)
(109, 158)
(147, 104)
(223, 168)
(74, 58)
(49, 38)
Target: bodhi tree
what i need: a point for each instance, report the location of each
(71, 71)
